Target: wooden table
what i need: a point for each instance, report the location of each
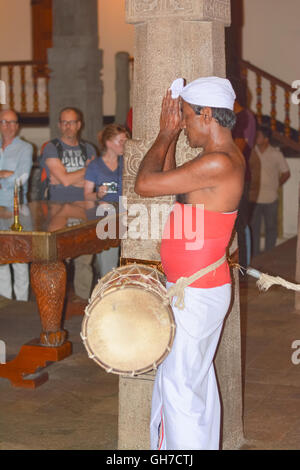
(51, 233)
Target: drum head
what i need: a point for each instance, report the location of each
(129, 330)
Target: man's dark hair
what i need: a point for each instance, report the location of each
(266, 132)
(76, 110)
(225, 117)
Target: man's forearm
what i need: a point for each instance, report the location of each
(76, 176)
(283, 178)
(170, 160)
(155, 158)
(68, 179)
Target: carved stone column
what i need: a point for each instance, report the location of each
(174, 38)
(75, 62)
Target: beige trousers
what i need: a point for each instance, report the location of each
(83, 275)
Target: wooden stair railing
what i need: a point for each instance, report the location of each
(26, 84)
(284, 137)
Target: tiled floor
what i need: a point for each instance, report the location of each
(272, 382)
(78, 407)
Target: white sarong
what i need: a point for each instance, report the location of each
(186, 411)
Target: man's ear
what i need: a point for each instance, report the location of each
(207, 114)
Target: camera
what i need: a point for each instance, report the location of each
(111, 187)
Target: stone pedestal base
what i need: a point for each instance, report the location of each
(135, 395)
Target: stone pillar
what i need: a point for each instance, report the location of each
(75, 63)
(122, 87)
(297, 277)
(174, 38)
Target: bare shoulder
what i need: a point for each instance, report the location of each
(216, 160)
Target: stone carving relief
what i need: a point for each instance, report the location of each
(138, 10)
(217, 9)
(134, 153)
(185, 152)
(146, 5)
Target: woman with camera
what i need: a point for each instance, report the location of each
(103, 181)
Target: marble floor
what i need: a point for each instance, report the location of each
(77, 408)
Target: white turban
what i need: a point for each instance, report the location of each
(214, 92)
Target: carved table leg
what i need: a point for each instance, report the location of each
(48, 281)
(49, 284)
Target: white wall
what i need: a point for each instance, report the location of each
(15, 30)
(37, 136)
(291, 199)
(271, 38)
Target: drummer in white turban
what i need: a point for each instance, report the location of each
(185, 401)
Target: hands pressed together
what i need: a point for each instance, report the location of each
(171, 115)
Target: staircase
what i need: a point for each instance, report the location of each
(284, 135)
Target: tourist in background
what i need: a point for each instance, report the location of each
(269, 171)
(103, 182)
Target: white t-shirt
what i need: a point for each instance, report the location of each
(266, 169)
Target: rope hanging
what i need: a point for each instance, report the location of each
(264, 281)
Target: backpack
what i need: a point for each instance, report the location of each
(45, 177)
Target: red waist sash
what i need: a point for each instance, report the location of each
(194, 238)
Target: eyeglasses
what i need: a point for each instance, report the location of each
(68, 123)
(4, 122)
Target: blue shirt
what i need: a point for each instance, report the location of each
(99, 173)
(16, 157)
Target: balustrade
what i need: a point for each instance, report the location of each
(26, 85)
(279, 109)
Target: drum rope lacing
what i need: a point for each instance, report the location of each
(156, 288)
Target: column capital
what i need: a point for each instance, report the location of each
(138, 11)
